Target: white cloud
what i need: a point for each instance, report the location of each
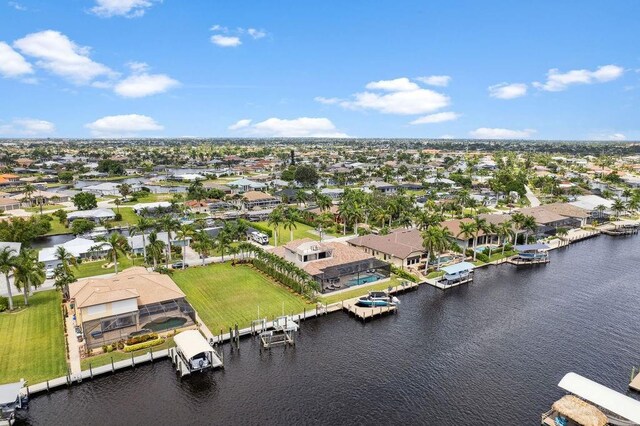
(303, 127)
(126, 8)
(326, 101)
(218, 27)
(419, 101)
(439, 117)
(240, 124)
(123, 125)
(402, 84)
(435, 80)
(498, 133)
(143, 84)
(12, 64)
(27, 127)
(59, 55)
(617, 137)
(17, 6)
(225, 41)
(557, 81)
(256, 34)
(508, 91)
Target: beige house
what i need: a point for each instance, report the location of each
(401, 247)
(259, 199)
(135, 300)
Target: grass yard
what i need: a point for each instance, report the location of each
(104, 359)
(151, 198)
(92, 268)
(57, 227)
(302, 231)
(224, 295)
(48, 207)
(361, 290)
(129, 217)
(32, 339)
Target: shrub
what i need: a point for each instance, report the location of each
(109, 348)
(144, 345)
(4, 303)
(141, 339)
(104, 348)
(482, 257)
(403, 274)
(118, 217)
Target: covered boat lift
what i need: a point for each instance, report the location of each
(618, 409)
(454, 275)
(11, 398)
(531, 254)
(193, 353)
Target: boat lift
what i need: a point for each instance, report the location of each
(283, 333)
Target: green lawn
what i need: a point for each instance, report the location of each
(151, 198)
(361, 290)
(129, 217)
(32, 339)
(302, 231)
(57, 227)
(48, 207)
(104, 359)
(92, 268)
(224, 295)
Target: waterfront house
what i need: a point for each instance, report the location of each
(260, 200)
(9, 204)
(333, 265)
(110, 309)
(95, 215)
(244, 185)
(548, 221)
(42, 197)
(401, 247)
(384, 187)
(80, 248)
(138, 208)
(105, 189)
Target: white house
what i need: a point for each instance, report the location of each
(80, 248)
(95, 215)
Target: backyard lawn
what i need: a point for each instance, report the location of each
(224, 295)
(151, 198)
(32, 339)
(57, 227)
(129, 217)
(91, 268)
(302, 231)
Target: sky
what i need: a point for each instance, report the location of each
(288, 68)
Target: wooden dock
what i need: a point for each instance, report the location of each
(635, 380)
(445, 285)
(365, 313)
(521, 262)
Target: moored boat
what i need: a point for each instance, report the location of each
(376, 299)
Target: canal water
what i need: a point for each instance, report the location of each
(487, 353)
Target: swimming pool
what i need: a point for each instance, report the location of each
(363, 279)
(166, 323)
(443, 259)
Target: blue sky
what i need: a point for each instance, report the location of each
(498, 69)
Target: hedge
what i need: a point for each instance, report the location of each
(403, 274)
(141, 339)
(260, 227)
(144, 345)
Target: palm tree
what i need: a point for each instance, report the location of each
(168, 224)
(290, 217)
(67, 260)
(141, 228)
(480, 226)
(323, 221)
(28, 272)
(202, 244)
(28, 191)
(156, 248)
(504, 231)
(301, 197)
(431, 242)
(600, 209)
(184, 233)
(517, 219)
(7, 265)
(115, 244)
(117, 202)
(529, 225)
(618, 207)
(467, 230)
(274, 220)
(324, 202)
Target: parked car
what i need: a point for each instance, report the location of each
(79, 333)
(178, 265)
(49, 273)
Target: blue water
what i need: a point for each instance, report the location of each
(364, 279)
(486, 353)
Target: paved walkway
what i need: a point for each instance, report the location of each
(533, 200)
(74, 345)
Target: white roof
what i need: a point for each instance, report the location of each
(602, 396)
(9, 392)
(191, 343)
(14, 246)
(76, 247)
(151, 206)
(590, 202)
(94, 213)
(135, 242)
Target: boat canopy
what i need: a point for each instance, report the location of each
(191, 343)
(531, 247)
(602, 396)
(9, 393)
(458, 267)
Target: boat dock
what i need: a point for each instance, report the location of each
(515, 260)
(366, 313)
(454, 275)
(635, 380)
